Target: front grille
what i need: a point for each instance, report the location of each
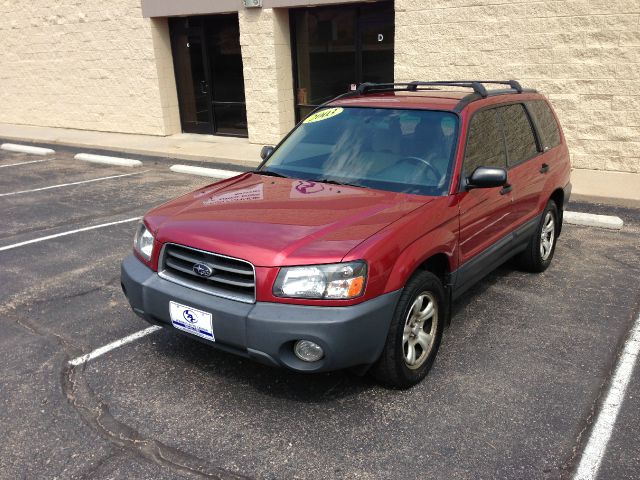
(231, 278)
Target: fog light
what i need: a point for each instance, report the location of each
(308, 351)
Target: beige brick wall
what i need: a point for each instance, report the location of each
(94, 65)
(266, 56)
(583, 54)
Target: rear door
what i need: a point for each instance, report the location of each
(525, 162)
(485, 213)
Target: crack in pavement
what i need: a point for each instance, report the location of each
(96, 415)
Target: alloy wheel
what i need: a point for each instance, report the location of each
(419, 332)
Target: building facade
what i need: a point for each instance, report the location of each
(160, 67)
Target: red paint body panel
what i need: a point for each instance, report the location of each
(274, 222)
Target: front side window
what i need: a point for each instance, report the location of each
(520, 139)
(485, 143)
(546, 123)
(408, 151)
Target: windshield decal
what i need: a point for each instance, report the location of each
(324, 114)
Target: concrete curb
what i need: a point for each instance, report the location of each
(121, 162)
(14, 147)
(204, 172)
(593, 220)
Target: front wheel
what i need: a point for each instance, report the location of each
(415, 333)
(542, 245)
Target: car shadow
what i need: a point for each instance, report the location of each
(281, 383)
(271, 381)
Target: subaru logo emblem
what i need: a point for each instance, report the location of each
(203, 270)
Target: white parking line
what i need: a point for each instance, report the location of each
(72, 183)
(25, 163)
(14, 147)
(605, 422)
(64, 234)
(113, 345)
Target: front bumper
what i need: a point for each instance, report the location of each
(350, 336)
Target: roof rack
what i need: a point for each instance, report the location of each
(476, 85)
(479, 90)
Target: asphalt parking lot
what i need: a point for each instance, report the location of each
(513, 394)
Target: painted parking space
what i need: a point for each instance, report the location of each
(25, 162)
(59, 298)
(508, 398)
(518, 375)
(56, 170)
(621, 459)
(55, 210)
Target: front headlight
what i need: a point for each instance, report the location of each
(336, 281)
(143, 242)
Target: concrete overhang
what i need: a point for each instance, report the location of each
(173, 8)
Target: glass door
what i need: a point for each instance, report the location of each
(209, 75)
(225, 64)
(336, 47)
(376, 29)
(191, 77)
(325, 54)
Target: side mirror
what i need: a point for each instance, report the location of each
(487, 177)
(266, 152)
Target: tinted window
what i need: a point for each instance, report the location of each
(407, 151)
(485, 143)
(520, 139)
(546, 123)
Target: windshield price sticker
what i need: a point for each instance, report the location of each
(324, 114)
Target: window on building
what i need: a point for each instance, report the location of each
(546, 123)
(335, 47)
(485, 143)
(519, 136)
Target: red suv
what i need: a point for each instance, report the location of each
(347, 245)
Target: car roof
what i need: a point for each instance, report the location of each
(423, 99)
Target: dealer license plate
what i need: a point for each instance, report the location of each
(192, 320)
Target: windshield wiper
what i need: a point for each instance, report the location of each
(269, 173)
(336, 182)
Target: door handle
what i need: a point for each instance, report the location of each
(544, 168)
(203, 86)
(506, 189)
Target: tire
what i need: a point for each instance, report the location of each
(394, 367)
(538, 254)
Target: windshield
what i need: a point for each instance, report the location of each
(409, 151)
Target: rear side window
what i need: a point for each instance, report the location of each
(546, 123)
(485, 144)
(521, 141)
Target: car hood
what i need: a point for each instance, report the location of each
(272, 221)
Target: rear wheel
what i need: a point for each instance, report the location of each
(415, 333)
(542, 245)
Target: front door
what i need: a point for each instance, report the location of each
(336, 47)
(209, 76)
(485, 213)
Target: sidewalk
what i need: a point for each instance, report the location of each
(183, 146)
(616, 188)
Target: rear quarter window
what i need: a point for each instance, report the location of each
(545, 122)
